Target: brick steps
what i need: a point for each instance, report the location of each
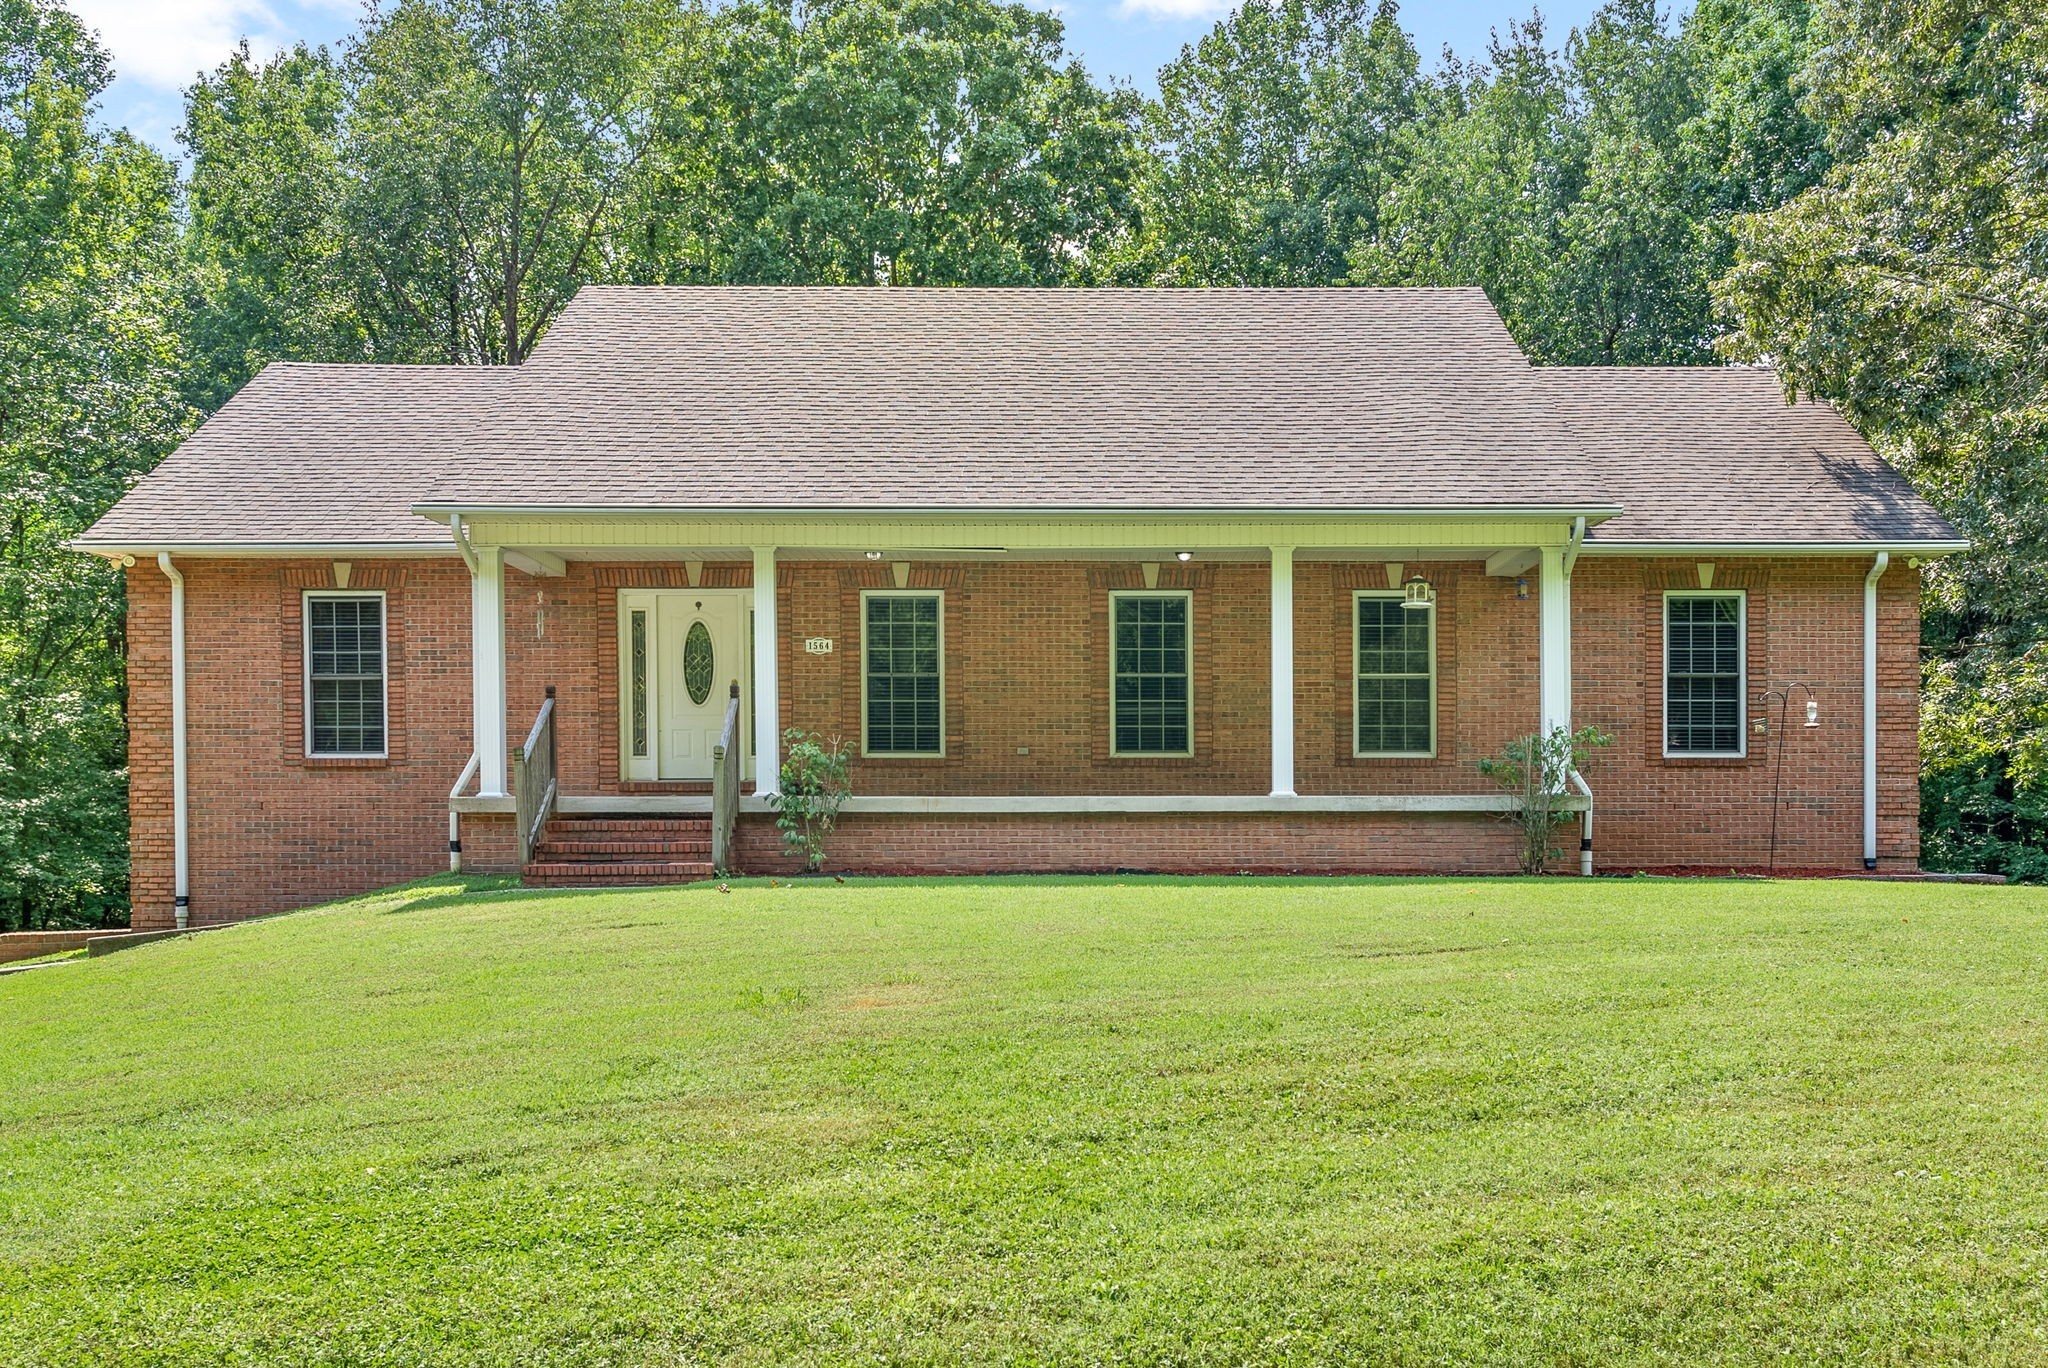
(603, 851)
(551, 849)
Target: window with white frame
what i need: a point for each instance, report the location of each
(1704, 688)
(345, 674)
(1151, 674)
(903, 672)
(1394, 677)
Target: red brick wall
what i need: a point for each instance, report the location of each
(1204, 843)
(1027, 670)
(270, 828)
(1805, 626)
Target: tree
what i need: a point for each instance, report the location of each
(1484, 183)
(910, 142)
(88, 400)
(1909, 287)
(268, 273)
(436, 194)
(493, 142)
(1277, 136)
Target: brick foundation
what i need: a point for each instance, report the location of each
(1316, 843)
(1026, 672)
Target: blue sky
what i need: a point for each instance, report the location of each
(159, 45)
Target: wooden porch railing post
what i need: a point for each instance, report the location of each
(534, 785)
(725, 783)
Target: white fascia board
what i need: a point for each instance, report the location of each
(1592, 513)
(938, 806)
(797, 537)
(1944, 547)
(115, 549)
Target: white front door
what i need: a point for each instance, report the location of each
(681, 651)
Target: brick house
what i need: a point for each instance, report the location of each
(1203, 580)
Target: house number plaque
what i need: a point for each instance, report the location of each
(818, 645)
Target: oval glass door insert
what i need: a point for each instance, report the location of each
(697, 662)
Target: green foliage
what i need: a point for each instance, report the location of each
(902, 142)
(89, 368)
(814, 787)
(1536, 772)
(1984, 752)
(1909, 286)
(1277, 134)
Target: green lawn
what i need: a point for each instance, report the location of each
(1224, 1121)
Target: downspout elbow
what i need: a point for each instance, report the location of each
(181, 885)
(1578, 781)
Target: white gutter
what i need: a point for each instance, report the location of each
(1085, 512)
(1877, 569)
(181, 884)
(1943, 547)
(113, 550)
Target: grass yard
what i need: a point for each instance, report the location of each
(1225, 1121)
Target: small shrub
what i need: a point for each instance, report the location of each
(1535, 770)
(814, 786)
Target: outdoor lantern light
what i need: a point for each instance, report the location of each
(1183, 555)
(1522, 587)
(1812, 712)
(1417, 594)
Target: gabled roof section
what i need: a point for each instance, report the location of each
(1001, 399)
(312, 455)
(1702, 454)
(723, 399)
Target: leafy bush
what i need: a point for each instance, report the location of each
(1984, 766)
(814, 785)
(1535, 770)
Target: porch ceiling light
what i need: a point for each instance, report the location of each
(1183, 555)
(874, 555)
(1418, 594)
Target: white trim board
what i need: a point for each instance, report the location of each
(931, 805)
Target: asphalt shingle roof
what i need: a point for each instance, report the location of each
(712, 398)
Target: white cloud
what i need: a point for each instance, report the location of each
(164, 44)
(1175, 9)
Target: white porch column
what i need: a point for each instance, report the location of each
(1283, 671)
(1555, 654)
(767, 694)
(487, 669)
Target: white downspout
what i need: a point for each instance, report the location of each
(468, 554)
(181, 883)
(1870, 580)
(1577, 780)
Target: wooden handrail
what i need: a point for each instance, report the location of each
(725, 783)
(534, 785)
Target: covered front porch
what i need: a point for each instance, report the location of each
(693, 642)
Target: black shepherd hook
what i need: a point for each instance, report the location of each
(1783, 698)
